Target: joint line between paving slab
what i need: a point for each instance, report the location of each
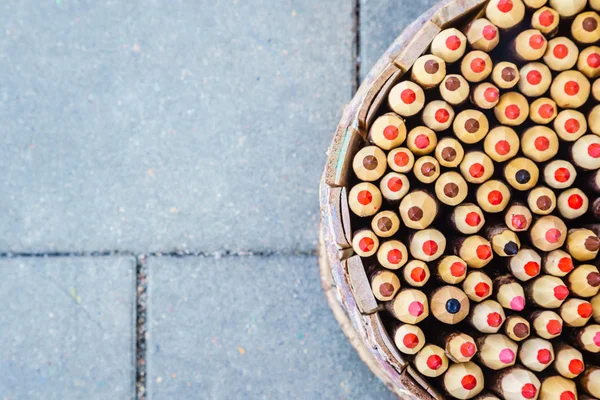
(126, 253)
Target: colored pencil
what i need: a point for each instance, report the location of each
(401, 160)
(587, 338)
(418, 209)
(483, 35)
(406, 98)
(596, 89)
(518, 217)
(541, 200)
(449, 304)
(463, 380)
(421, 140)
(539, 143)
(459, 347)
(365, 243)
(545, 20)
(451, 188)
(570, 125)
(570, 89)
(585, 152)
(449, 152)
(451, 270)
(486, 396)
(572, 203)
(568, 361)
(546, 324)
(594, 120)
(449, 45)
(487, 316)
(485, 96)
(385, 224)
(431, 361)
(548, 233)
(515, 383)
(582, 244)
(522, 173)
(569, 8)
(496, 351)
(409, 339)
(536, 79)
(505, 242)
(470, 126)
(409, 306)
(576, 312)
(589, 62)
(593, 181)
(534, 4)
(561, 54)
(505, 75)
(590, 381)
(493, 196)
(394, 187)
(536, 354)
(474, 250)
(586, 27)
(558, 263)
(558, 388)
(517, 328)
(501, 143)
(525, 265)
(476, 167)
(529, 45)
(505, 13)
(477, 286)
(455, 89)
(512, 109)
(426, 169)
(427, 244)
(364, 199)
(546, 291)
(388, 131)
(384, 284)
(392, 254)
(416, 273)
(509, 293)
(476, 66)
(467, 218)
(559, 174)
(369, 164)
(543, 110)
(428, 71)
(438, 115)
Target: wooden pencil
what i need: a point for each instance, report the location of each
(586, 27)
(384, 284)
(476, 167)
(365, 243)
(534, 4)
(501, 143)
(505, 242)
(401, 160)
(570, 125)
(394, 187)
(585, 152)
(588, 62)
(595, 5)
(546, 324)
(539, 143)
(569, 8)
(562, 54)
(449, 45)
(408, 338)
(470, 126)
(459, 347)
(536, 354)
(426, 169)
(536, 79)
(558, 263)
(474, 250)
(548, 233)
(416, 273)
(570, 89)
(392, 254)
(485, 96)
(593, 181)
(505, 13)
(572, 203)
(455, 89)
(595, 209)
(517, 328)
(559, 174)
(546, 21)
(449, 304)
(477, 286)
(385, 224)
(388, 131)
(558, 388)
(505, 75)
(364, 199)
(518, 217)
(467, 218)
(576, 312)
(483, 35)
(512, 109)
(543, 110)
(594, 120)
(451, 270)
(568, 361)
(449, 152)
(487, 316)
(421, 140)
(587, 338)
(438, 115)
(486, 396)
(409, 306)
(431, 361)
(525, 265)
(541, 200)
(427, 244)
(428, 71)
(509, 293)
(596, 89)
(515, 383)
(582, 244)
(369, 163)
(406, 98)
(493, 196)
(546, 291)
(496, 351)
(476, 66)
(590, 381)
(522, 173)
(463, 380)
(418, 209)
(451, 188)
(529, 45)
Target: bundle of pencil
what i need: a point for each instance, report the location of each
(475, 199)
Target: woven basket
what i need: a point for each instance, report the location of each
(343, 276)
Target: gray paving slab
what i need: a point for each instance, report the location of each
(248, 328)
(381, 21)
(67, 328)
(152, 125)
